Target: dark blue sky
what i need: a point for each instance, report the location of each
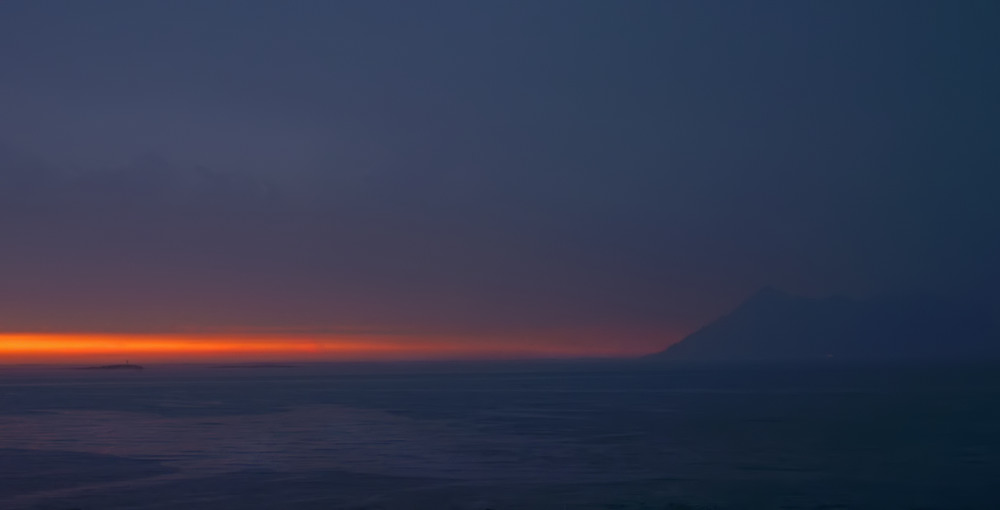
(494, 168)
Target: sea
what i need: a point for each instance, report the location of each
(501, 436)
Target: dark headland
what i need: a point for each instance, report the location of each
(776, 326)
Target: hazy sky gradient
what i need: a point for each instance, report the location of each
(574, 172)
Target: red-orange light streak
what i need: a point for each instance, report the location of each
(65, 347)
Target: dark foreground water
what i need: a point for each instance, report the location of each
(537, 436)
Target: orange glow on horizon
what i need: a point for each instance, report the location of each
(107, 347)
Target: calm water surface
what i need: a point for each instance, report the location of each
(602, 436)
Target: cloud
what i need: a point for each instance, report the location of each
(158, 245)
(148, 183)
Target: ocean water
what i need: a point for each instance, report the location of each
(501, 436)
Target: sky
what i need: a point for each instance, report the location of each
(398, 180)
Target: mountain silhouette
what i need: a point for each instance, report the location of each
(772, 325)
